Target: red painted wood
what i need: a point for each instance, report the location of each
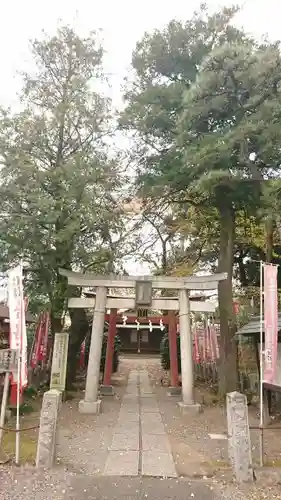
(13, 396)
(110, 347)
(174, 369)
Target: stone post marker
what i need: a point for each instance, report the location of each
(46, 446)
(239, 443)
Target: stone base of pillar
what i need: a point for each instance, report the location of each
(174, 391)
(107, 390)
(194, 408)
(89, 407)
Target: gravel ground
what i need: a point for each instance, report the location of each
(24, 485)
(195, 454)
(194, 431)
(82, 450)
(61, 484)
(83, 440)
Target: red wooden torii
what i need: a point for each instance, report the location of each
(170, 320)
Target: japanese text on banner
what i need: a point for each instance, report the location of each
(18, 338)
(270, 323)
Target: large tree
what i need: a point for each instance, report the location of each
(235, 97)
(201, 98)
(59, 194)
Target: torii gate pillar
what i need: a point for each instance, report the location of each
(91, 403)
(187, 402)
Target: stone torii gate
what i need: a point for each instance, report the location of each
(143, 286)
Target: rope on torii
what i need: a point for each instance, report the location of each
(150, 325)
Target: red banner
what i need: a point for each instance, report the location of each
(37, 341)
(196, 356)
(43, 349)
(214, 339)
(270, 323)
(41, 339)
(212, 353)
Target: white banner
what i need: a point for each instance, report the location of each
(18, 338)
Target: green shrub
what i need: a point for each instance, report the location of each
(165, 352)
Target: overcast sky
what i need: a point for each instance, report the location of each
(123, 23)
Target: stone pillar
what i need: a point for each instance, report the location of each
(239, 443)
(46, 447)
(186, 353)
(91, 404)
(174, 389)
(107, 388)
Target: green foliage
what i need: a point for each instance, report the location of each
(59, 183)
(205, 99)
(165, 352)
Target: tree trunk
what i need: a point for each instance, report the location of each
(73, 350)
(78, 331)
(56, 325)
(228, 372)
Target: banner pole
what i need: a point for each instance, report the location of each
(18, 411)
(261, 364)
(19, 374)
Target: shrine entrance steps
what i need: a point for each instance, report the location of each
(140, 446)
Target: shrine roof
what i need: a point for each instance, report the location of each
(4, 314)
(252, 328)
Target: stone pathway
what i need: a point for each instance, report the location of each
(140, 445)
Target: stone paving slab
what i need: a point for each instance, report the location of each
(124, 463)
(149, 409)
(129, 408)
(124, 416)
(157, 429)
(148, 402)
(140, 444)
(152, 418)
(155, 442)
(157, 464)
(128, 441)
(131, 398)
(132, 429)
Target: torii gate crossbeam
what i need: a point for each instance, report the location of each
(91, 403)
